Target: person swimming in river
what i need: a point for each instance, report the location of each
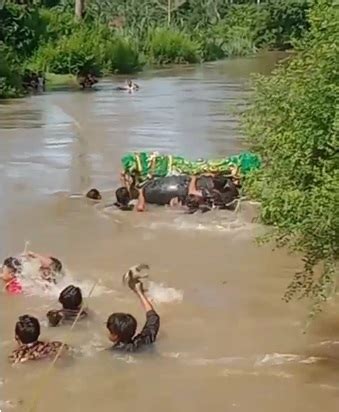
(122, 326)
(87, 80)
(50, 270)
(10, 270)
(71, 301)
(94, 194)
(130, 86)
(27, 332)
(50, 267)
(191, 193)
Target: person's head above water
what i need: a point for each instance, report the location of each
(93, 194)
(27, 329)
(122, 195)
(220, 182)
(121, 327)
(71, 297)
(10, 267)
(193, 203)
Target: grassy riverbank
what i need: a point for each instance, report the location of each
(125, 35)
(61, 80)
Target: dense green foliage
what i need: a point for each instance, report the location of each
(171, 46)
(293, 124)
(123, 35)
(10, 82)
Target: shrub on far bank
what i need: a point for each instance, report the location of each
(10, 80)
(68, 55)
(121, 56)
(87, 50)
(165, 45)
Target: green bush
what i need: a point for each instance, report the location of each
(171, 46)
(21, 28)
(251, 20)
(293, 124)
(286, 21)
(10, 80)
(233, 40)
(69, 55)
(121, 56)
(58, 24)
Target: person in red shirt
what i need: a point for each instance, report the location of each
(9, 271)
(50, 270)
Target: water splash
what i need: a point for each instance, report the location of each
(160, 293)
(34, 285)
(282, 358)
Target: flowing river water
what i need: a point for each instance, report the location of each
(227, 340)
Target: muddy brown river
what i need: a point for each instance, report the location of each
(227, 340)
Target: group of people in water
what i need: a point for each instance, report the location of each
(189, 193)
(37, 82)
(121, 326)
(87, 80)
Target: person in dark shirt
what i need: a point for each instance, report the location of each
(122, 326)
(71, 301)
(27, 332)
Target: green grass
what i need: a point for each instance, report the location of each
(61, 80)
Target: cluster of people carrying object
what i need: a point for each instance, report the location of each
(146, 178)
(152, 178)
(121, 326)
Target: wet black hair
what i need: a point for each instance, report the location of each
(192, 203)
(13, 263)
(27, 329)
(94, 194)
(232, 187)
(134, 192)
(122, 195)
(226, 200)
(56, 265)
(123, 325)
(71, 297)
(220, 182)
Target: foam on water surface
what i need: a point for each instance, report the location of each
(33, 284)
(218, 221)
(282, 358)
(159, 293)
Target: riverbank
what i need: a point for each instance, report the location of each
(114, 40)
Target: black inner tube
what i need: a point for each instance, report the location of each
(161, 191)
